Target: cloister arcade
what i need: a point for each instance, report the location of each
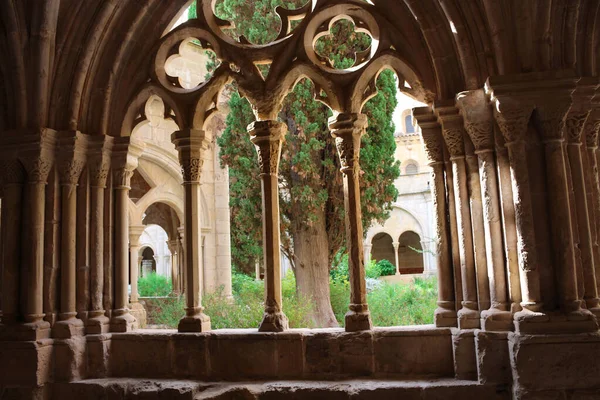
(510, 130)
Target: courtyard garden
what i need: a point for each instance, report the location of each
(391, 304)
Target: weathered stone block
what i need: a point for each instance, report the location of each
(138, 354)
(322, 353)
(26, 363)
(564, 361)
(290, 354)
(246, 353)
(190, 355)
(463, 347)
(413, 351)
(356, 354)
(70, 359)
(98, 353)
(493, 364)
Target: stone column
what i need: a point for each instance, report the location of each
(125, 156)
(11, 177)
(479, 126)
(513, 119)
(174, 248)
(453, 226)
(71, 161)
(348, 129)
(268, 137)
(396, 261)
(38, 160)
(593, 185)
(445, 313)
(181, 260)
(191, 146)
(550, 118)
(453, 133)
(99, 166)
(574, 128)
(135, 231)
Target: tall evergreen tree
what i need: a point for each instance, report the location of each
(312, 203)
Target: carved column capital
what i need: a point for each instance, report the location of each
(477, 115)
(99, 160)
(591, 128)
(191, 145)
(347, 130)
(268, 137)
(574, 124)
(11, 172)
(550, 119)
(125, 155)
(512, 118)
(38, 168)
(452, 127)
(135, 232)
(71, 156)
(431, 132)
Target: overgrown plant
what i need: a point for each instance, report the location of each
(154, 285)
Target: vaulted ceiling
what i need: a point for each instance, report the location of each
(72, 64)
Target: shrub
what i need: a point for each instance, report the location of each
(372, 270)
(154, 285)
(386, 267)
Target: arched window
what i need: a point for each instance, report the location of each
(411, 168)
(410, 128)
(410, 253)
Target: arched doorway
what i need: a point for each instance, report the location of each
(148, 262)
(410, 253)
(383, 248)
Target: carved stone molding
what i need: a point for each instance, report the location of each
(191, 168)
(347, 129)
(591, 128)
(268, 137)
(477, 115)
(481, 134)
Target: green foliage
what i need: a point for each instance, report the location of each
(372, 270)
(192, 10)
(154, 285)
(339, 269)
(386, 267)
(391, 304)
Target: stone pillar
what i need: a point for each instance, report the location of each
(135, 231)
(397, 264)
(591, 129)
(38, 160)
(550, 118)
(181, 260)
(125, 156)
(479, 126)
(11, 178)
(174, 249)
(574, 129)
(445, 313)
(509, 230)
(99, 166)
(191, 146)
(453, 226)
(268, 137)
(453, 133)
(71, 161)
(513, 119)
(347, 129)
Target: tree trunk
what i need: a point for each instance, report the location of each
(311, 250)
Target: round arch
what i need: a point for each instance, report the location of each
(410, 253)
(383, 248)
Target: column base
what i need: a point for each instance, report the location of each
(357, 321)
(496, 320)
(580, 321)
(274, 322)
(139, 312)
(68, 328)
(445, 318)
(122, 321)
(97, 323)
(197, 323)
(30, 331)
(468, 318)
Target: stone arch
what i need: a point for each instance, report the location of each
(383, 247)
(410, 167)
(410, 253)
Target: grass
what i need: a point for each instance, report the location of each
(391, 304)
